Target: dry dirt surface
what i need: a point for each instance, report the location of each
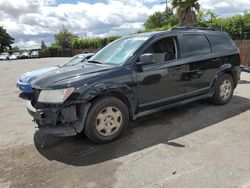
(196, 145)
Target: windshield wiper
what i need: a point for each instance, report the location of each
(97, 62)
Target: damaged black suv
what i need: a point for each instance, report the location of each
(135, 76)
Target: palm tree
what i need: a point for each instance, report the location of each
(186, 11)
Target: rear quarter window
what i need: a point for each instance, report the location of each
(195, 44)
(221, 43)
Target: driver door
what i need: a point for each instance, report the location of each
(160, 83)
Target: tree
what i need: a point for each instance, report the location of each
(64, 38)
(5, 40)
(43, 45)
(160, 19)
(238, 27)
(205, 18)
(14, 49)
(186, 11)
(154, 21)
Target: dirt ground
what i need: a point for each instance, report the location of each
(196, 145)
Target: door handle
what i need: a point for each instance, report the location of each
(180, 67)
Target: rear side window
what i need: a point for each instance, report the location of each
(194, 44)
(221, 43)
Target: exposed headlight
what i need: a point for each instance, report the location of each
(55, 96)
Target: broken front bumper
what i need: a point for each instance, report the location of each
(43, 117)
(64, 120)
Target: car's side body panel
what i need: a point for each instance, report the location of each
(183, 79)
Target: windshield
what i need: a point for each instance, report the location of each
(118, 51)
(74, 61)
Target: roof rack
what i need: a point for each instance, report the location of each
(194, 28)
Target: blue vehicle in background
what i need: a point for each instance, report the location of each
(24, 82)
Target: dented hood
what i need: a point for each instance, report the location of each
(70, 76)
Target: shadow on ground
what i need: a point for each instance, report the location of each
(143, 133)
(25, 96)
(244, 82)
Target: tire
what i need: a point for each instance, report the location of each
(111, 116)
(224, 90)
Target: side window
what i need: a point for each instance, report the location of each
(220, 43)
(164, 50)
(194, 44)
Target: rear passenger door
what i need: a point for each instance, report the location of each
(200, 65)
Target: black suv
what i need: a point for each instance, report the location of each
(135, 76)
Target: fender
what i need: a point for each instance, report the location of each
(225, 68)
(121, 90)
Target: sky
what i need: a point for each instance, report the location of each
(31, 21)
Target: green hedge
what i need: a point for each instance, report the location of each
(94, 43)
(89, 44)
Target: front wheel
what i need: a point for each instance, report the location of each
(223, 90)
(108, 117)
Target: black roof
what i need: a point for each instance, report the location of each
(208, 30)
(194, 28)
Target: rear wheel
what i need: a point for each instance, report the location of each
(107, 119)
(223, 90)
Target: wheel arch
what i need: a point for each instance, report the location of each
(84, 108)
(224, 69)
(120, 96)
(119, 90)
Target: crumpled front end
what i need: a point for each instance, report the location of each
(68, 117)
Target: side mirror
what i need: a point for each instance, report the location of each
(146, 59)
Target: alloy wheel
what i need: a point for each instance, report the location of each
(225, 89)
(108, 121)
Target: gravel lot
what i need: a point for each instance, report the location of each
(196, 145)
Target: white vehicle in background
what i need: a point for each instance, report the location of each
(34, 54)
(14, 56)
(25, 55)
(4, 56)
